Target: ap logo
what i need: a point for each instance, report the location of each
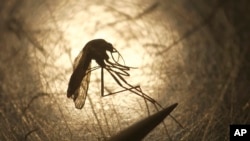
(239, 132)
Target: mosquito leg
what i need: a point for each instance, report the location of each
(102, 83)
(156, 103)
(136, 88)
(123, 71)
(142, 94)
(177, 121)
(127, 89)
(94, 68)
(137, 92)
(163, 123)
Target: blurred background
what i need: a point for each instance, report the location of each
(193, 52)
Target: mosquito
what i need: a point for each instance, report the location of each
(79, 81)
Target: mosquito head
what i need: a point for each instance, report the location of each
(101, 45)
(98, 48)
(109, 47)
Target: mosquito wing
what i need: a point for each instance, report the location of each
(83, 90)
(79, 80)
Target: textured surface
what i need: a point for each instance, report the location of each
(190, 52)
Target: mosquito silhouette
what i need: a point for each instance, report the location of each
(79, 81)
